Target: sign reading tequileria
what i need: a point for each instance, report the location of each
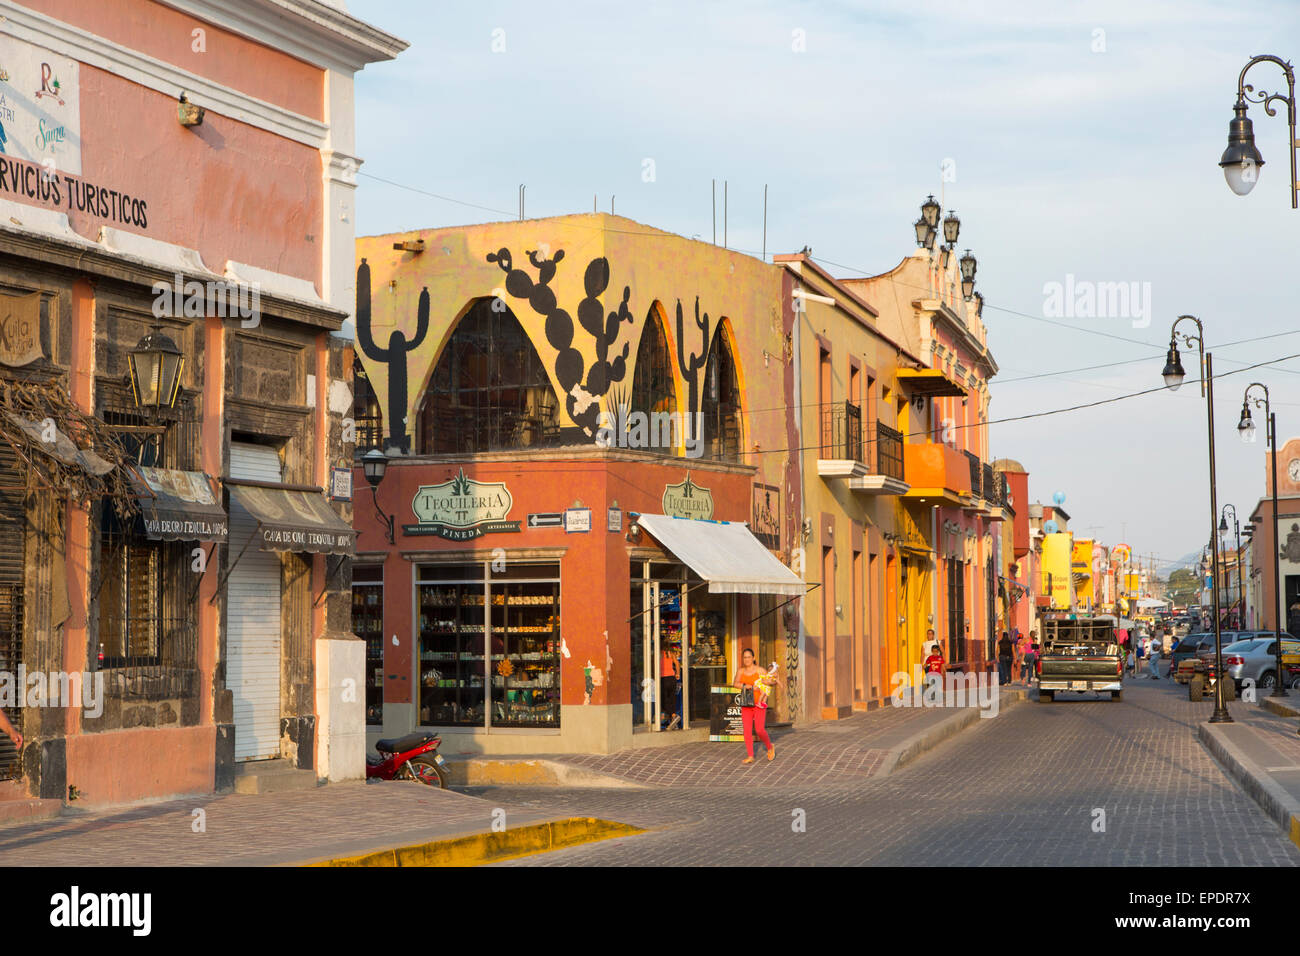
(462, 508)
(688, 500)
(40, 106)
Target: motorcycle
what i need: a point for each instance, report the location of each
(413, 757)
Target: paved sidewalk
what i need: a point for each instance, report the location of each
(1261, 750)
(342, 819)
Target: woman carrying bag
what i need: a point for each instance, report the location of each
(755, 685)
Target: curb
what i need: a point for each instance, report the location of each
(1276, 707)
(475, 849)
(904, 753)
(529, 772)
(1275, 801)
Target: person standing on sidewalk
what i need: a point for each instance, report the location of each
(669, 681)
(752, 715)
(7, 728)
(1006, 654)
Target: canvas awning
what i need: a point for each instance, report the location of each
(178, 505)
(725, 554)
(292, 518)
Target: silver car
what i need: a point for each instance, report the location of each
(1256, 659)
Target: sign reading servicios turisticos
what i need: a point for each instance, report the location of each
(462, 508)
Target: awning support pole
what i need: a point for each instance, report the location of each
(329, 576)
(814, 587)
(221, 583)
(206, 561)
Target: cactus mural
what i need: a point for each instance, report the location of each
(691, 369)
(394, 356)
(582, 400)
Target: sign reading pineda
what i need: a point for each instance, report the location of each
(462, 508)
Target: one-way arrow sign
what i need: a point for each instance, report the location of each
(547, 519)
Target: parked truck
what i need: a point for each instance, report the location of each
(1079, 653)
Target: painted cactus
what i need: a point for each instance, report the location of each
(582, 399)
(394, 356)
(691, 368)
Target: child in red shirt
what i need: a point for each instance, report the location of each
(934, 664)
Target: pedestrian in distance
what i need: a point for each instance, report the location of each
(1153, 658)
(755, 685)
(1130, 664)
(1023, 650)
(1006, 655)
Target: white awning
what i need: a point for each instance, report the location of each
(724, 553)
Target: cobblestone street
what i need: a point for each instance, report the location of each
(1020, 789)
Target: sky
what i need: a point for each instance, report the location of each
(1077, 141)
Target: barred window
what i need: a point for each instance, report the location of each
(147, 590)
(366, 411)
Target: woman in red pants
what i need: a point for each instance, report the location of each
(752, 718)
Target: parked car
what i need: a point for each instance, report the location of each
(1256, 659)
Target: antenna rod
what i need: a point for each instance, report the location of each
(522, 187)
(715, 212)
(764, 222)
(724, 214)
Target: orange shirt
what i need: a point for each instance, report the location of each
(669, 666)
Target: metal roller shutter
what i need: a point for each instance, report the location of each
(253, 618)
(13, 527)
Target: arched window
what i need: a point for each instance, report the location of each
(489, 391)
(720, 404)
(366, 413)
(652, 383)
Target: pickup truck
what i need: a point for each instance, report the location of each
(1080, 655)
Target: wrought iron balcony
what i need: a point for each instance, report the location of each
(871, 466)
(976, 475)
(889, 452)
(841, 432)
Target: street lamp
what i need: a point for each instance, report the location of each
(967, 263)
(1173, 376)
(155, 367)
(1241, 161)
(1223, 534)
(375, 464)
(1246, 428)
(951, 228)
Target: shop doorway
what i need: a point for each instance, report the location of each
(253, 638)
(682, 641)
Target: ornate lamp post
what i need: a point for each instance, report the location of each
(1223, 535)
(375, 463)
(1246, 428)
(1241, 161)
(1173, 375)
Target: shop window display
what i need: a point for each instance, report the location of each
(368, 624)
(465, 609)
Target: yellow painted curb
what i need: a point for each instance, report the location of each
(477, 848)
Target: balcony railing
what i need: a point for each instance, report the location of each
(889, 451)
(976, 476)
(989, 486)
(842, 432)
